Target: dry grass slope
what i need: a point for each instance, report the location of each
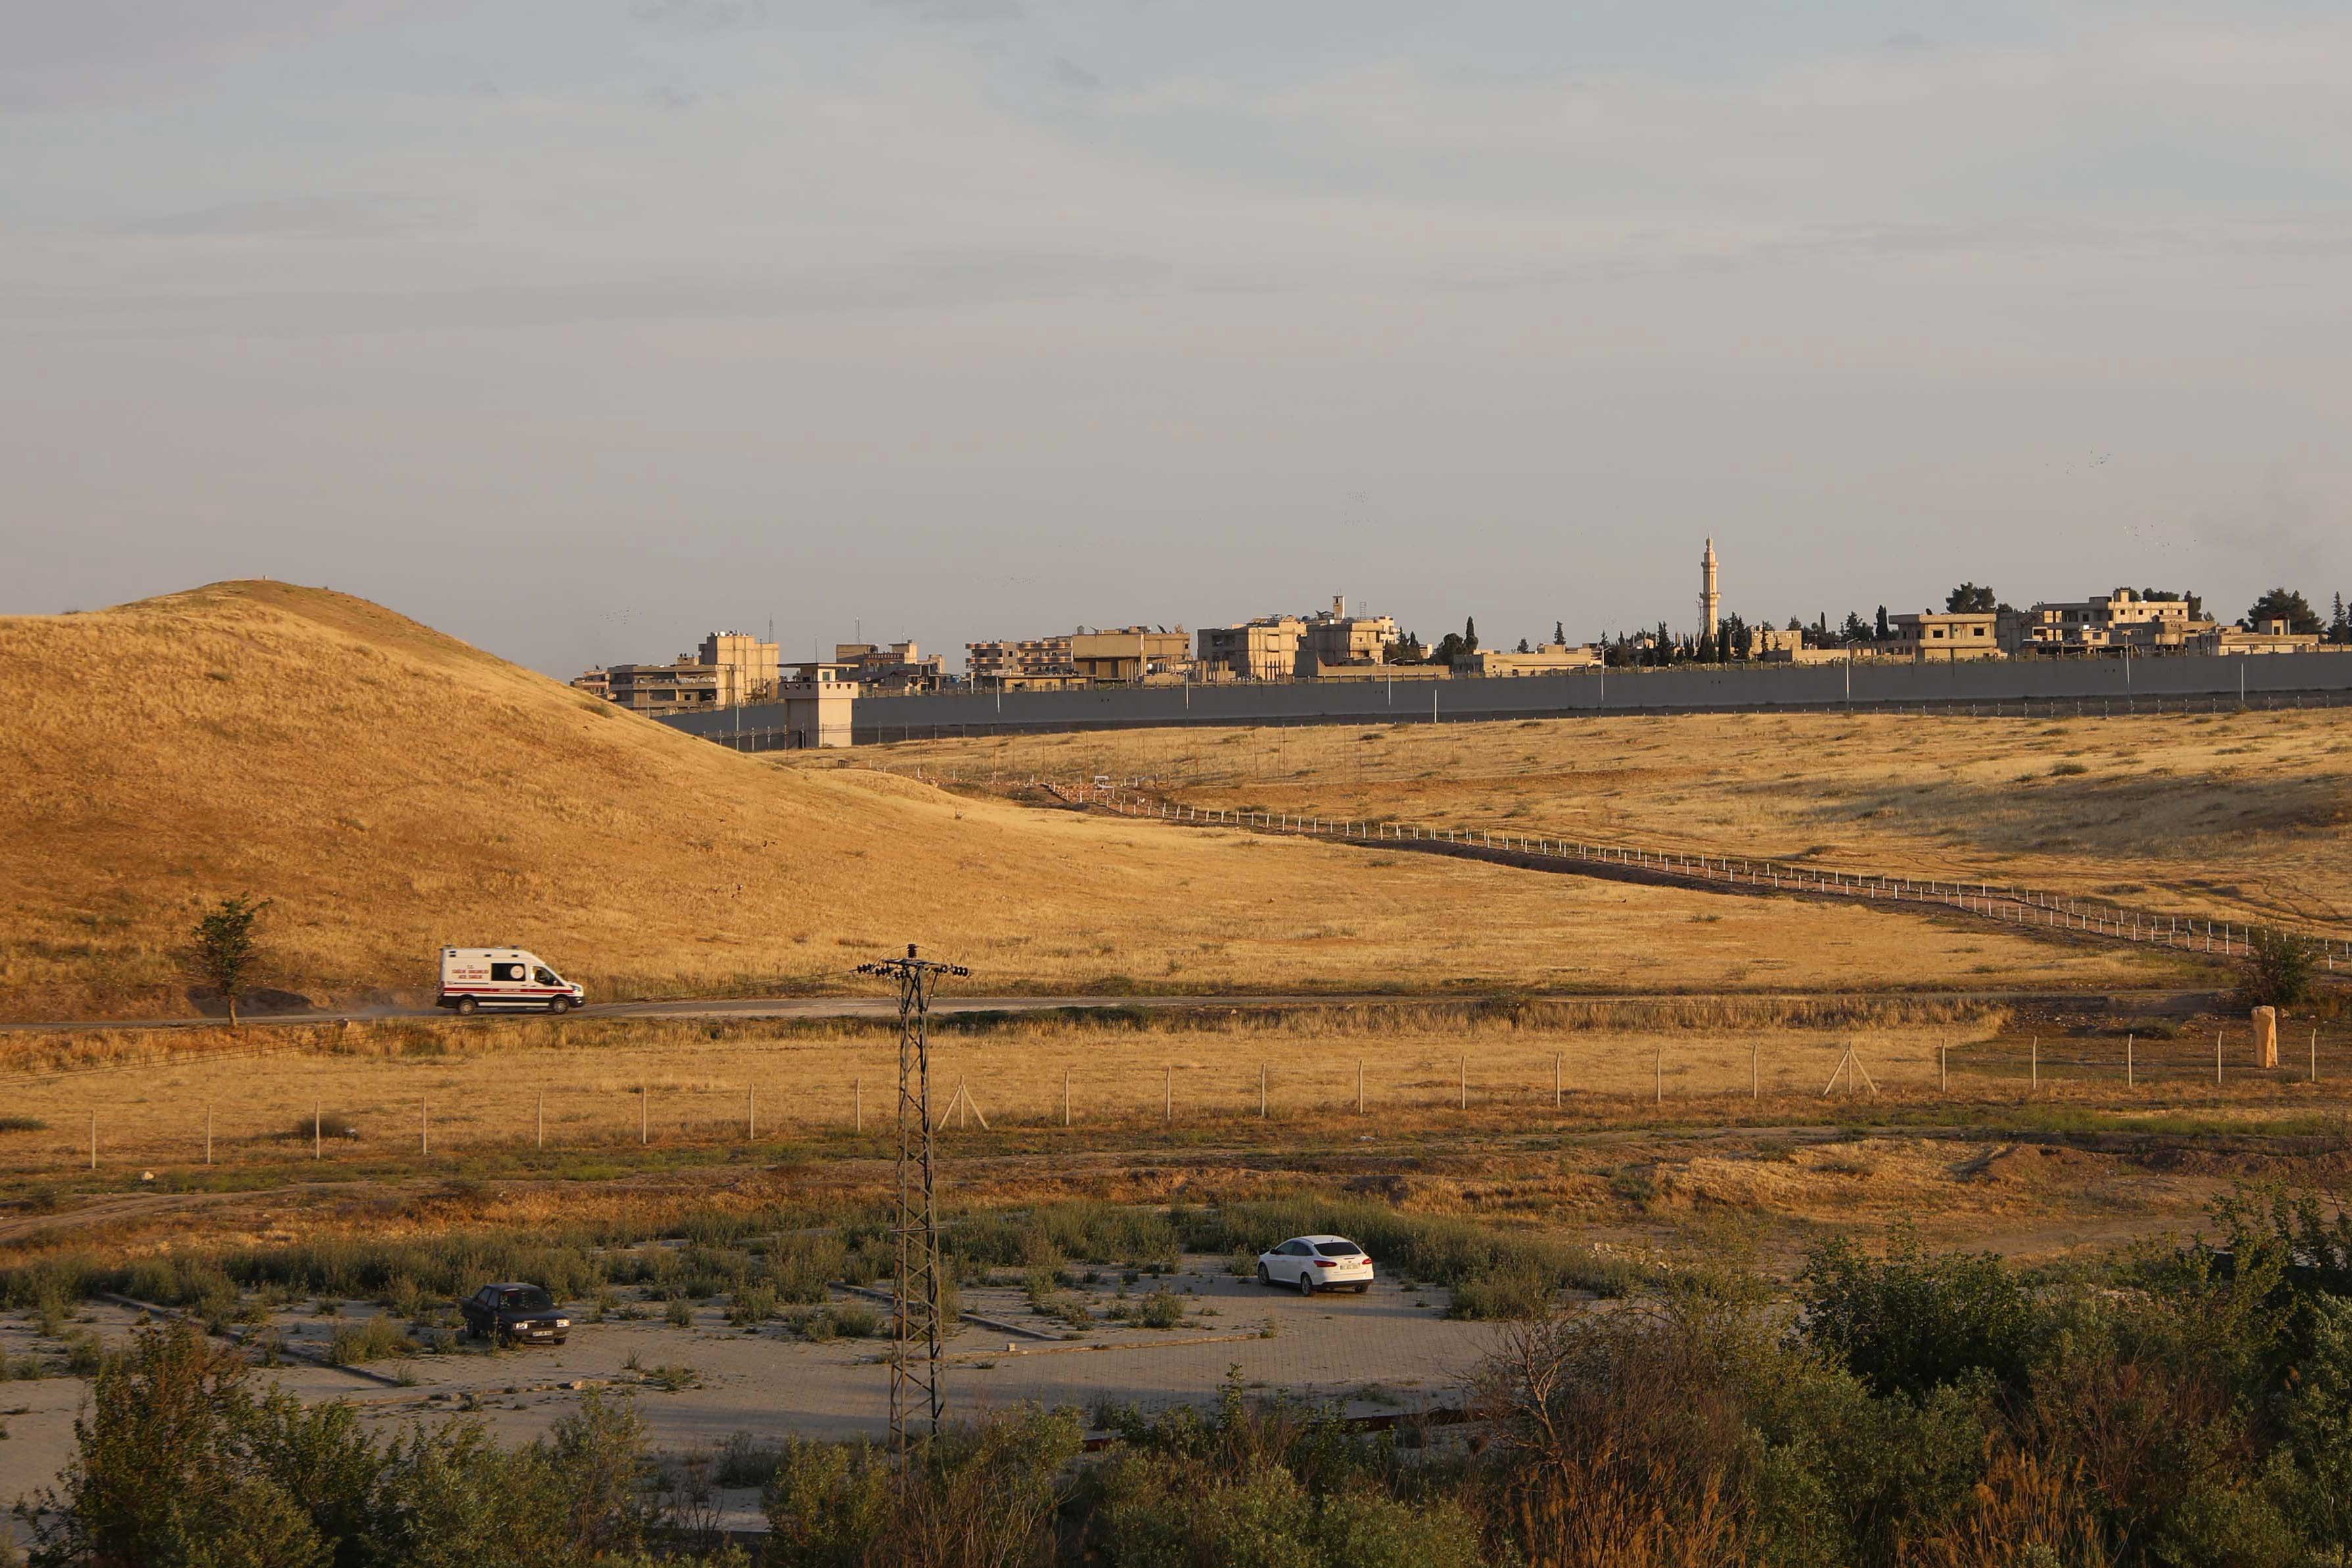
(392, 789)
(2235, 817)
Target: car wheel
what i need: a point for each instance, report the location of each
(559, 1005)
(466, 1006)
(1262, 1277)
(1361, 1289)
(1306, 1283)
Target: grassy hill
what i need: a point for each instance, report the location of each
(2237, 817)
(392, 790)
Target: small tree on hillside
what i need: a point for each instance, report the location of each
(226, 951)
(2277, 971)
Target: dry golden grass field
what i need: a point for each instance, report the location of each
(1679, 1163)
(2237, 816)
(418, 1092)
(391, 789)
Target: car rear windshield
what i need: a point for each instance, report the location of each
(1338, 1249)
(531, 1300)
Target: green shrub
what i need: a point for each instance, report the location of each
(1161, 1310)
(2277, 970)
(1914, 1320)
(678, 1313)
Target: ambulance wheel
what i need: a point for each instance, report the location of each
(465, 1006)
(559, 1005)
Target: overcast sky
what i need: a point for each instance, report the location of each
(581, 327)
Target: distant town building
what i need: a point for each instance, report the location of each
(1328, 643)
(2116, 620)
(597, 682)
(900, 666)
(685, 685)
(1337, 641)
(1933, 635)
(1131, 656)
(1552, 658)
(1029, 663)
(1264, 649)
(754, 665)
(2262, 636)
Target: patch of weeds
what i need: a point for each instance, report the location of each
(679, 1313)
(674, 1377)
(752, 1305)
(1160, 1310)
(377, 1339)
(745, 1461)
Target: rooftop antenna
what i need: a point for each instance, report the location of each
(916, 1331)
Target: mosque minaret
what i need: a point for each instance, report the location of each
(1710, 603)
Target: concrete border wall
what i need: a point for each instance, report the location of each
(2107, 684)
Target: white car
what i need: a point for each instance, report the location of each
(1311, 1263)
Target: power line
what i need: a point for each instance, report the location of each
(916, 1289)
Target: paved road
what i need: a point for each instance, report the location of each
(885, 1007)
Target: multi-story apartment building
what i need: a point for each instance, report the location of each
(1014, 664)
(1292, 648)
(756, 666)
(900, 667)
(1336, 640)
(2116, 620)
(1931, 636)
(1131, 656)
(684, 686)
(1264, 649)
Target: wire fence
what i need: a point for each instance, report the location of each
(359, 1115)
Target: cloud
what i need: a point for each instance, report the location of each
(327, 216)
(956, 10)
(692, 17)
(98, 51)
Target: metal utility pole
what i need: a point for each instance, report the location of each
(916, 1331)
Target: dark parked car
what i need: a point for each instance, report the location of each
(514, 1311)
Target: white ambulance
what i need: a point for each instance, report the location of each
(473, 978)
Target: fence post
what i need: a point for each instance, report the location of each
(539, 1136)
(1555, 1080)
(752, 1112)
(425, 1126)
(208, 1131)
(1465, 1080)
(1756, 1068)
(2216, 1058)
(1661, 1072)
(2315, 1055)
(1066, 1097)
(857, 1103)
(2037, 1061)
(1359, 1086)
(316, 1142)
(644, 1116)
(1168, 1098)
(2129, 1081)
(1261, 1091)
(93, 1139)
(1944, 1067)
